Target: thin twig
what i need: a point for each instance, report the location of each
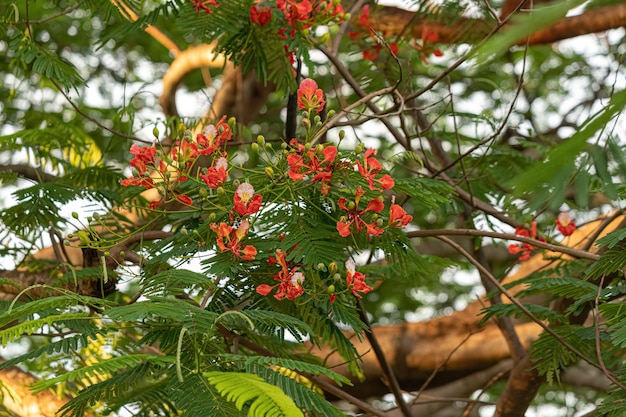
(382, 359)
(576, 253)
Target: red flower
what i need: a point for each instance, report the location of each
(364, 17)
(525, 248)
(428, 38)
(213, 137)
(295, 11)
(356, 280)
(144, 155)
(144, 182)
(290, 280)
(245, 201)
(204, 5)
(229, 239)
(260, 15)
(185, 151)
(371, 168)
(398, 217)
(354, 216)
(565, 224)
(185, 199)
(310, 97)
(216, 175)
(302, 163)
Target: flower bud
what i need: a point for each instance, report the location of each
(107, 253)
(351, 205)
(66, 242)
(321, 267)
(379, 222)
(317, 119)
(184, 231)
(337, 277)
(220, 191)
(332, 267)
(212, 216)
(75, 215)
(203, 192)
(269, 172)
(324, 38)
(331, 113)
(236, 183)
(96, 216)
(232, 121)
(359, 148)
(331, 288)
(70, 235)
(155, 132)
(306, 123)
(342, 134)
(122, 254)
(307, 146)
(283, 145)
(254, 147)
(319, 149)
(260, 140)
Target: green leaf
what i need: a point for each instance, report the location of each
(266, 400)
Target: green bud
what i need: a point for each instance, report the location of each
(332, 267)
(317, 119)
(255, 147)
(351, 205)
(96, 216)
(342, 134)
(269, 172)
(107, 253)
(283, 145)
(232, 121)
(379, 222)
(331, 289)
(337, 277)
(66, 242)
(331, 113)
(306, 123)
(89, 219)
(75, 215)
(319, 149)
(212, 217)
(184, 231)
(359, 148)
(203, 192)
(70, 235)
(324, 38)
(122, 254)
(347, 16)
(260, 140)
(220, 191)
(236, 183)
(155, 132)
(307, 146)
(320, 267)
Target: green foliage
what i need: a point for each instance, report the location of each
(266, 399)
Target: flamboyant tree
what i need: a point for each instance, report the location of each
(288, 235)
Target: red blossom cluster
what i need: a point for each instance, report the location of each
(290, 280)
(426, 47)
(229, 240)
(356, 280)
(522, 248)
(354, 216)
(185, 152)
(565, 224)
(370, 168)
(204, 5)
(310, 97)
(303, 163)
(364, 37)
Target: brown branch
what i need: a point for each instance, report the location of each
(32, 173)
(392, 21)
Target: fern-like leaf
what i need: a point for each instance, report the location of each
(266, 400)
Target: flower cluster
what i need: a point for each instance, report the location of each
(229, 240)
(318, 163)
(310, 97)
(525, 249)
(204, 5)
(290, 280)
(364, 36)
(426, 47)
(565, 224)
